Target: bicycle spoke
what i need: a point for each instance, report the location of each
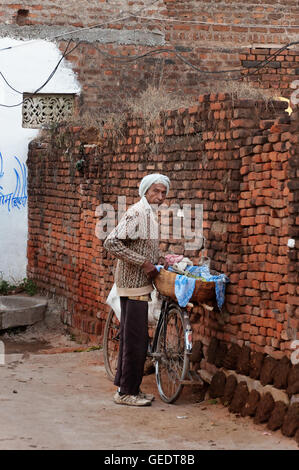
(111, 344)
(173, 362)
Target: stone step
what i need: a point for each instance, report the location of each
(19, 310)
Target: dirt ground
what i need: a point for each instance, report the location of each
(54, 398)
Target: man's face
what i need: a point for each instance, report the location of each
(156, 194)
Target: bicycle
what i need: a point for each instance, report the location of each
(170, 349)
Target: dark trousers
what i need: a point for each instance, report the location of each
(132, 345)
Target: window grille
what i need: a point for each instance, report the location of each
(41, 110)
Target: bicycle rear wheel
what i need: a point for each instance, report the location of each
(111, 344)
(172, 363)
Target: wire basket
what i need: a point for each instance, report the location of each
(165, 284)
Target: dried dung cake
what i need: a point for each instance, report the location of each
(293, 389)
(244, 361)
(291, 421)
(211, 352)
(264, 408)
(293, 380)
(217, 386)
(250, 406)
(231, 359)
(221, 352)
(277, 416)
(229, 390)
(267, 371)
(240, 398)
(281, 372)
(197, 352)
(256, 362)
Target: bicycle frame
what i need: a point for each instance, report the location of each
(171, 358)
(167, 304)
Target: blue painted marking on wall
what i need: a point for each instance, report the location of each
(18, 198)
(1, 166)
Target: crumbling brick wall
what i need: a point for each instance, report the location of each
(209, 36)
(293, 222)
(236, 158)
(119, 81)
(235, 22)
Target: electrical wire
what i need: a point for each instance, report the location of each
(115, 20)
(208, 23)
(148, 18)
(55, 69)
(174, 52)
(9, 85)
(261, 64)
(111, 21)
(42, 86)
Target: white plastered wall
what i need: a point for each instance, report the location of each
(26, 66)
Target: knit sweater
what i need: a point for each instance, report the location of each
(133, 241)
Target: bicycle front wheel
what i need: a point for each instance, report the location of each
(111, 344)
(172, 363)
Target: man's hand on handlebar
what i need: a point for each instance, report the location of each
(150, 270)
(163, 261)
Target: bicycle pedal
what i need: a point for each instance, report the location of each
(193, 379)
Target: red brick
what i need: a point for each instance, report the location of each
(247, 222)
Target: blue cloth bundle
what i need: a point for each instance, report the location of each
(184, 285)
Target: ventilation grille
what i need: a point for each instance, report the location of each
(42, 110)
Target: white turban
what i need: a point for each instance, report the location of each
(155, 178)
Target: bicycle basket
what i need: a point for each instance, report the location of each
(165, 284)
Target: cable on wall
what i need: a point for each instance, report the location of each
(258, 67)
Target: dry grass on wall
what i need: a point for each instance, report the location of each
(150, 107)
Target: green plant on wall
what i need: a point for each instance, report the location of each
(27, 285)
(4, 287)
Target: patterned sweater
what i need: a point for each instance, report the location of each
(133, 241)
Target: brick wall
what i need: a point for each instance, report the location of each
(233, 21)
(237, 159)
(293, 222)
(226, 35)
(118, 81)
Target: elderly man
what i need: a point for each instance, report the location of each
(135, 243)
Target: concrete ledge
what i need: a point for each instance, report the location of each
(278, 395)
(252, 384)
(101, 35)
(16, 310)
